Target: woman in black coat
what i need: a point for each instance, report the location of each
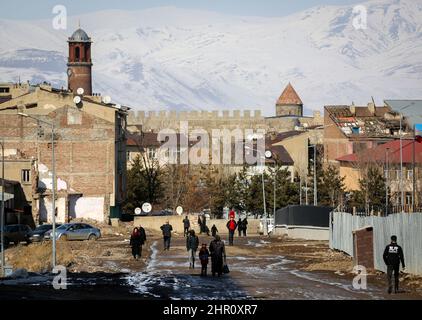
(135, 243)
(218, 255)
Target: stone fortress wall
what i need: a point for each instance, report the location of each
(225, 119)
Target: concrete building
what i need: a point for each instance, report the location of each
(350, 129)
(89, 142)
(352, 165)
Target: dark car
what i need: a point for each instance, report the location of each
(16, 233)
(38, 233)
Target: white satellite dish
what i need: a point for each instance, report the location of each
(118, 106)
(77, 100)
(138, 210)
(146, 207)
(268, 154)
(80, 91)
(179, 210)
(106, 99)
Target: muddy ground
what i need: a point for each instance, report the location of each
(261, 268)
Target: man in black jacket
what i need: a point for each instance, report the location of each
(393, 255)
(143, 239)
(186, 226)
(166, 228)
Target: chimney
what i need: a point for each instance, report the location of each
(352, 109)
(371, 107)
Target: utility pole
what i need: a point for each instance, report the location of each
(53, 185)
(413, 169)
(315, 182)
(387, 173)
(2, 209)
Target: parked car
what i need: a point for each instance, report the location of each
(16, 233)
(75, 231)
(38, 233)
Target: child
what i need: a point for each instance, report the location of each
(204, 257)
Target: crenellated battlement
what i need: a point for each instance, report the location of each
(139, 117)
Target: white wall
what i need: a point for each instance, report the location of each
(81, 207)
(303, 232)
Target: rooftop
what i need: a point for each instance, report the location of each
(79, 36)
(379, 153)
(289, 96)
(365, 121)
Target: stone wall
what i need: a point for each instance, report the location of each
(226, 119)
(154, 223)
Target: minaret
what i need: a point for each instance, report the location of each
(79, 63)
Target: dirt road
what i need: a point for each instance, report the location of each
(260, 269)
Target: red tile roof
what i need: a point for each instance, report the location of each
(378, 154)
(289, 97)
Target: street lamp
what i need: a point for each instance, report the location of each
(401, 155)
(387, 173)
(2, 209)
(53, 186)
(267, 155)
(315, 182)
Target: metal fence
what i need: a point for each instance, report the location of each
(407, 228)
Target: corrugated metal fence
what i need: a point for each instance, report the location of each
(407, 228)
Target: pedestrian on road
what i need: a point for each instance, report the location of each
(239, 227)
(200, 224)
(214, 230)
(218, 256)
(393, 255)
(192, 243)
(204, 258)
(244, 226)
(166, 229)
(186, 226)
(135, 243)
(205, 229)
(143, 238)
(231, 225)
(232, 214)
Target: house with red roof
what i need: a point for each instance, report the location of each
(385, 156)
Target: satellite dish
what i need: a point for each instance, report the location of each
(146, 207)
(118, 106)
(106, 99)
(77, 100)
(138, 210)
(268, 154)
(80, 91)
(179, 210)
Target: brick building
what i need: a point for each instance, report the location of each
(89, 143)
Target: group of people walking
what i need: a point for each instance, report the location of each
(216, 252)
(393, 254)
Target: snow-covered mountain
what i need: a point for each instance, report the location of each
(170, 58)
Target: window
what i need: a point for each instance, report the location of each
(4, 90)
(77, 53)
(409, 175)
(26, 173)
(152, 153)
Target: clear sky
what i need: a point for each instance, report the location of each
(31, 9)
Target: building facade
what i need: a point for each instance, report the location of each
(89, 143)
